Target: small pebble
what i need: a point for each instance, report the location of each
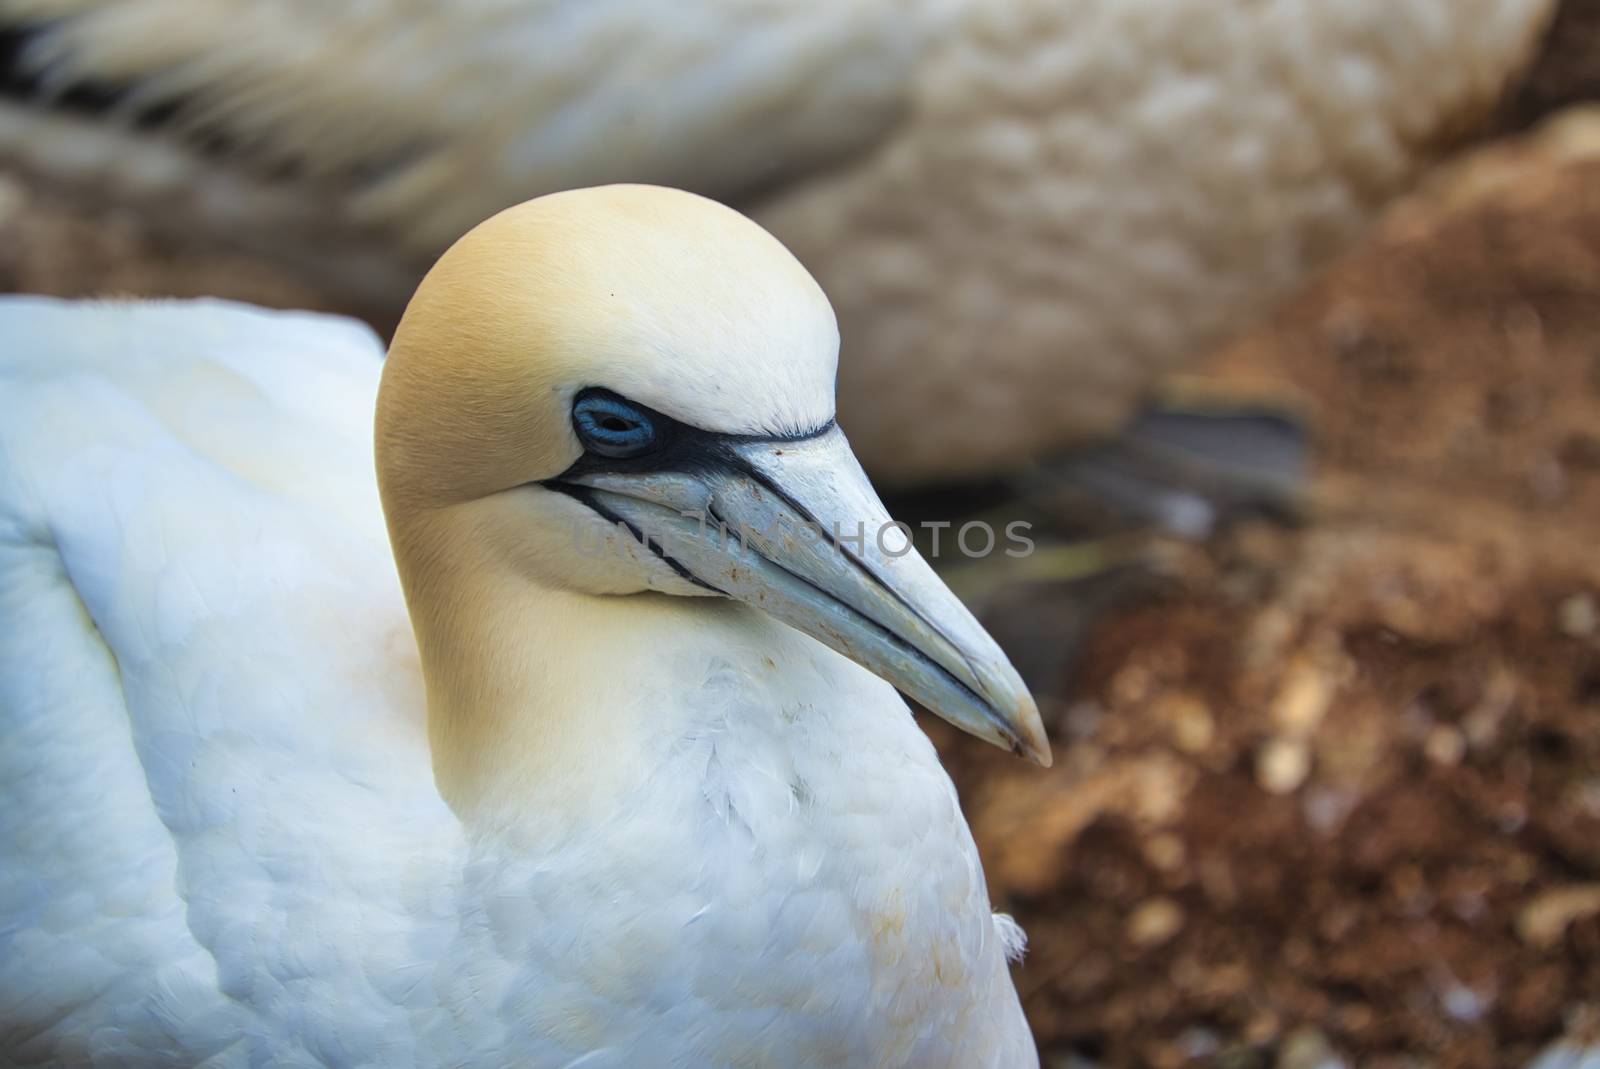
(1262, 1029)
(1155, 922)
(1463, 1003)
(1165, 852)
(1282, 765)
(1304, 700)
(1189, 720)
(1307, 1048)
(1130, 685)
(1325, 808)
(1445, 745)
(1544, 921)
(1199, 1043)
(1578, 616)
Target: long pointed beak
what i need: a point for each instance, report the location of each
(794, 528)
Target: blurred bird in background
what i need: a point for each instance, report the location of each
(1026, 213)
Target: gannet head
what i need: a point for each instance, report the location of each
(631, 388)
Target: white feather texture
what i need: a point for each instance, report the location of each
(1076, 196)
(222, 843)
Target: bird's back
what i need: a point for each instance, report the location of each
(204, 666)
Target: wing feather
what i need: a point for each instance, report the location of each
(203, 654)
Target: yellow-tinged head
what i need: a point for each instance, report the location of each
(664, 297)
(627, 389)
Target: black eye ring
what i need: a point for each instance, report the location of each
(612, 427)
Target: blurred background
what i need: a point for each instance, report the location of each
(1279, 320)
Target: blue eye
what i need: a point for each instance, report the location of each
(611, 426)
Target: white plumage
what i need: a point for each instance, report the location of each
(1075, 196)
(710, 841)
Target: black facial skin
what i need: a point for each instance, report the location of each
(677, 447)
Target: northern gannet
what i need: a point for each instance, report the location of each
(1025, 211)
(611, 808)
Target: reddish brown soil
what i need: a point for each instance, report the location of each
(1338, 788)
